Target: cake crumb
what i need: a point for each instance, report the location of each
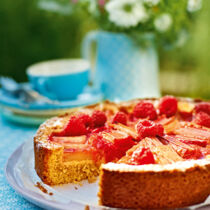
(76, 188)
(38, 184)
(87, 207)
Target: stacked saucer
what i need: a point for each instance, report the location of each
(34, 113)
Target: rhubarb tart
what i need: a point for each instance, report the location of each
(148, 153)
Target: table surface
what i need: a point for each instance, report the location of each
(11, 136)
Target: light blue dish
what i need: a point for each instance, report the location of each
(20, 119)
(88, 96)
(62, 79)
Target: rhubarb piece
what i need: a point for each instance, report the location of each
(184, 150)
(70, 147)
(185, 110)
(170, 127)
(193, 132)
(121, 141)
(168, 106)
(112, 145)
(203, 107)
(185, 107)
(145, 110)
(106, 149)
(149, 128)
(165, 154)
(129, 130)
(99, 118)
(69, 139)
(120, 117)
(163, 120)
(142, 156)
(202, 118)
(194, 141)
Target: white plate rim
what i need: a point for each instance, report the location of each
(34, 197)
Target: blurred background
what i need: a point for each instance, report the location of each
(31, 31)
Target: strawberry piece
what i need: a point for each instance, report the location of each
(202, 118)
(120, 117)
(142, 156)
(147, 128)
(145, 110)
(168, 106)
(99, 118)
(203, 107)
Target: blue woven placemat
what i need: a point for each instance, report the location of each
(11, 136)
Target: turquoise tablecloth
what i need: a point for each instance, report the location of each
(11, 136)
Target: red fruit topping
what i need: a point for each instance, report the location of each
(120, 117)
(147, 128)
(100, 129)
(142, 156)
(145, 110)
(99, 118)
(107, 148)
(203, 119)
(86, 119)
(123, 145)
(203, 107)
(159, 129)
(168, 106)
(186, 116)
(75, 127)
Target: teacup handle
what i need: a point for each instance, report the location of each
(43, 88)
(88, 54)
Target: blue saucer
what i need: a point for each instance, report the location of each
(86, 98)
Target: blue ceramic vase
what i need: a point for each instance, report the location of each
(123, 69)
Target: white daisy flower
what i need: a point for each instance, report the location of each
(194, 5)
(126, 13)
(163, 22)
(151, 2)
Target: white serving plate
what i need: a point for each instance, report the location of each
(22, 177)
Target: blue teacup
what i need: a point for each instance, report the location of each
(62, 79)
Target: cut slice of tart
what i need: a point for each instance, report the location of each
(154, 186)
(153, 153)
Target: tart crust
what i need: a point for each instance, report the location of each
(154, 186)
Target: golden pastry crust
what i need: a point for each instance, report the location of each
(154, 186)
